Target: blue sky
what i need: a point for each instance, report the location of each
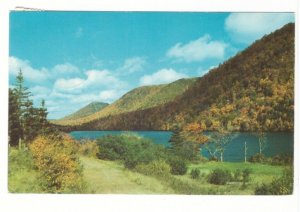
(73, 58)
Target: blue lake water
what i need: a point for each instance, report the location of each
(277, 143)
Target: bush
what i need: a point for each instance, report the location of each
(237, 175)
(257, 158)
(158, 168)
(112, 148)
(283, 159)
(131, 149)
(58, 165)
(89, 149)
(178, 166)
(219, 177)
(246, 176)
(195, 173)
(279, 186)
(186, 151)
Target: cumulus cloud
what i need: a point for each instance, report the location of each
(65, 68)
(198, 50)
(94, 80)
(247, 27)
(162, 76)
(31, 74)
(132, 65)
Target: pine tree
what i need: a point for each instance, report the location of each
(14, 128)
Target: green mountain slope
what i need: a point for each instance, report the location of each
(86, 111)
(252, 91)
(137, 99)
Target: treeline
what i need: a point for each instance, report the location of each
(35, 146)
(25, 120)
(253, 91)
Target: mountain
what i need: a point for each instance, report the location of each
(137, 99)
(86, 110)
(254, 90)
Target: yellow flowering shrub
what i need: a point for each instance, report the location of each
(56, 160)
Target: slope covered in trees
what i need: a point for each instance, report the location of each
(136, 99)
(86, 110)
(253, 91)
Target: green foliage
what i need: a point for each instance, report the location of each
(279, 186)
(158, 168)
(282, 159)
(195, 173)
(246, 176)
(25, 121)
(219, 177)
(88, 148)
(135, 100)
(178, 166)
(59, 168)
(86, 111)
(257, 158)
(22, 178)
(131, 149)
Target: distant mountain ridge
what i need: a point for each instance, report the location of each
(137, 99)
(254, 90)
(87, 110)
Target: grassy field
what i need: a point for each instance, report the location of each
(108, 177)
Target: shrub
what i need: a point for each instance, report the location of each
(257, 158)
(283, 159)
(279, 186)
(237, 175)
(89, 149)
(195, 173)
(58, 165)
(112, 148)
(219, 177)
(178, 166)
(158, 168)
(131, 149)
(246, 176)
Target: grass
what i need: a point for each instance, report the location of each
(108, 177)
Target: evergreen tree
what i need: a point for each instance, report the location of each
(25, 121)
(14, 128)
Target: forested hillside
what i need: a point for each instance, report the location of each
(86, 111)
(136, 99)
(252, 91)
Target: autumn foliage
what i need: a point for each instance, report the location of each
(59, 167)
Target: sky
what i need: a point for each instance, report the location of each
(73, 58)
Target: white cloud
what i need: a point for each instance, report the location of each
(132, 65)
(202, 71)
(198, 50)
(65, 68)
(29, 73)
(162, 76)
(95, 80)
(246, 27)
(69, 84)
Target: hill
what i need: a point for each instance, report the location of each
(86, 110)
(252, 91)
(137, 99)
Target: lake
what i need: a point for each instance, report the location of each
(277, 143)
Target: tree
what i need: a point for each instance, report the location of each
(217, 143)
(14, 128)
(262, 141)
(186, 142)
(25, 121)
